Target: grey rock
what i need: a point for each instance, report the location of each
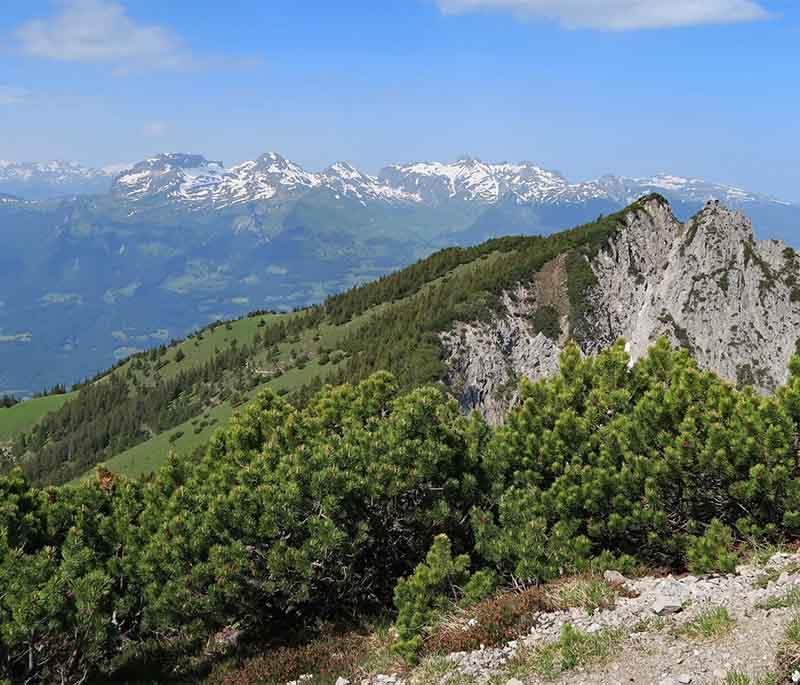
(614, 577)
(707, 285)
(674, 589)
(665, 606)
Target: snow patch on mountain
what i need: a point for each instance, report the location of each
(344, 179)
(473, 180)
(39, 180)
(198, 183)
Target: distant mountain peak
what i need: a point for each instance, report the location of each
(54, 178)
(192, 180)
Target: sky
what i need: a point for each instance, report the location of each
(705, 88)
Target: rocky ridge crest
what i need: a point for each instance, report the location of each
(707, 285)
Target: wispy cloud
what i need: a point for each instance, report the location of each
(154, 129)
(101, 31)
(621, 15)
(18, 337)
(11, 95)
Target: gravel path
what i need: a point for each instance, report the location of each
(652, 652)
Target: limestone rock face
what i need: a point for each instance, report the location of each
(708, 285)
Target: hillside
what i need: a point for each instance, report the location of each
(175, 241)
(392, 323)
(477, 318)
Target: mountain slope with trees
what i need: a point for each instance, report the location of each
(391, 324)
(476, 318)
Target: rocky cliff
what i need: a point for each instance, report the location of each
(707, 284)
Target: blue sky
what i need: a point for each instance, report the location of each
(706, 88)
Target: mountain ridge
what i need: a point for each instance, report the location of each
(181, 240)
(467, 178)
(478, 319)
(706, 284)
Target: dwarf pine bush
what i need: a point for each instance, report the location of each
(299, 516)
(712, 552)
(419, 597)
(605, 456)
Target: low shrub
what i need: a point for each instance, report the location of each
(325, 659)
(422, 597)
(609, 456)
(492, 622)
(712, 552)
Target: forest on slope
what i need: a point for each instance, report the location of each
(129, 415)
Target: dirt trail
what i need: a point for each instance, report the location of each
(654, 651)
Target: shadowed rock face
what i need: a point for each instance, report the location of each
(708, 285)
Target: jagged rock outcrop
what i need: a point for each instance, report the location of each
(708, 285)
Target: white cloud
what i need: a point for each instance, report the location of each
(101, 31)
(61, 298)
(10, 95)
(18, 337)
(621, 15)
(154, 129)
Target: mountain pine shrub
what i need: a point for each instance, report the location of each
(712, 552)
(422, 596)
(298, 516)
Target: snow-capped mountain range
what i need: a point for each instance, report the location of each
(177, 239)
(43, 180)
(194, 181)
(198, 182)
(56, 171)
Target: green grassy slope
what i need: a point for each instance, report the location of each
(149, 455)
(183, 439)
(23, 416)
(186, 437)
(200, 348)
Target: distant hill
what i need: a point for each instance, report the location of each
(45, 180)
